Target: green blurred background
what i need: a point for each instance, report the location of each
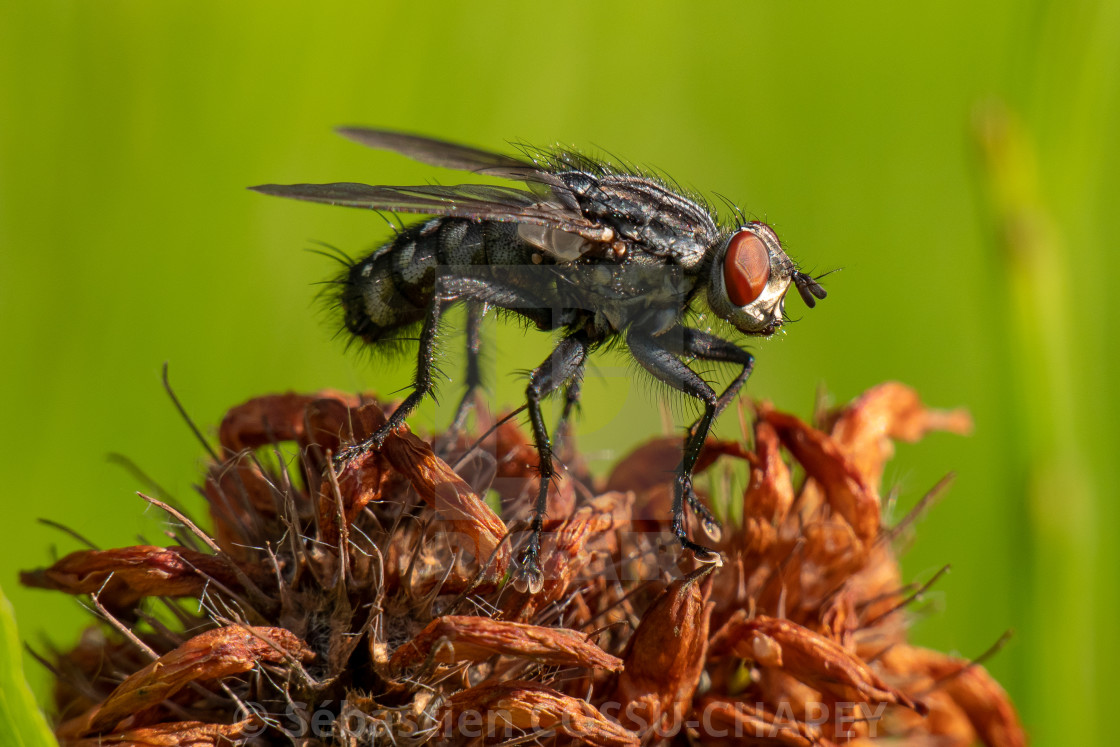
(953, 158)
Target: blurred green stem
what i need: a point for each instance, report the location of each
(21, 723)
(1060, 497)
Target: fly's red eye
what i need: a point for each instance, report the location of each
(746, 268)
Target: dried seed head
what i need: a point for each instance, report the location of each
(375, 603)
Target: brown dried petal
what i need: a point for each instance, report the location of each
(517, 457)
(241, 500)
(848, 492)
(648, 465)
(734, 722)
(654, 462)
(666, 654)
(970, 687)
(456, 638)
(211, 655)
(451, 497)
(264, 420)
(987, 706)
(236, 487)
(769, 492)
(358, 485)
(517, 477)
(946, 722)
(362, 481)
(531, 707)
(789, 695)
(813, 659)
(865, 427)
(136, 572)
(177, 734)
(330, 422)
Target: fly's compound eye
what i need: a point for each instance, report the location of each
(746, 268)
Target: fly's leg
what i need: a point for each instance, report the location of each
(666, 367)
(708, 347)
(705, 346)
(475, 312)
(448, 290)
(421, 385)
(658, 356)
(564, 363)
(571, 405)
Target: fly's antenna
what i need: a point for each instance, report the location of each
(808, 287)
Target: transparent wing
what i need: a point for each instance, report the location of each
(474, 201)
(460, 157)
(430, 151)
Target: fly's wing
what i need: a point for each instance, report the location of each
(548, 211)
(473, 201)
(443, 154)
(463, 158)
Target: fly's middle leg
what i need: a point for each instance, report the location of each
(475, 311)
(571, 405)
(564, 364)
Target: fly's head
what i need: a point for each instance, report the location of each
(749, 278)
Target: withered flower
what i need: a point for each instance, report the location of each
(374, 605)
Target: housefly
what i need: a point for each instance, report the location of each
(597, 253)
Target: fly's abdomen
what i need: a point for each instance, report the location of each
(392, 289)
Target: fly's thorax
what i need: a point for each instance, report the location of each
(749, 276)
(639, 209)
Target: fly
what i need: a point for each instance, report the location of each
(596, 253)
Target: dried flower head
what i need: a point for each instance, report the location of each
(374, 605)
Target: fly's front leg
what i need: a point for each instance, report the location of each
(564, 363)
(658, 356)
(705, 346)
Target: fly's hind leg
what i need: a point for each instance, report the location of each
(658, 355)
(422, 384)
(563, 365)
(449, 289)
